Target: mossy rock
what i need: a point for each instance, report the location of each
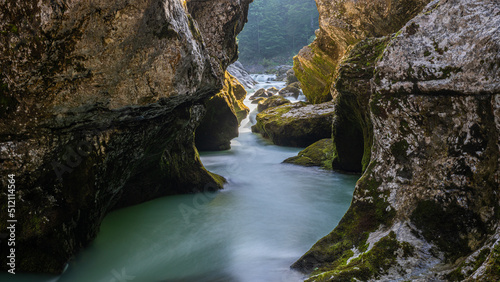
(297, 124)
(352, 131)
(318, 154)
(273, 90)
(448, 225)
(224, 113)
(368, 211)
(314, 69)
(259, 100)
(271, 102)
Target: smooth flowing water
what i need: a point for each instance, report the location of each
(266, 217)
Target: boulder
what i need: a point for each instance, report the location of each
(99, 101)
(241, 74)
(273, 90)
(290, 77)
(298, 124)
(261, 93)
(258, 100)
(290, 91)
(271, 102)
(426, 206)
(319, 154)
(225, 111)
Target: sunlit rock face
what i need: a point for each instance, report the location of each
(225, 111)
(341, 24)
(99, 102)
(427, 206)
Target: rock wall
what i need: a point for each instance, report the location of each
(427, 206)
(99, 102)
(225, 111)
(328, 67)
(341, 24)
(352, 130)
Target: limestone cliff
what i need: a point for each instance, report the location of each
(427, 206)
(99, 102)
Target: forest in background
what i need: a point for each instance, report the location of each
(276, 31)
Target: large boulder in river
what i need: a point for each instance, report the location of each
(225, 111)
(427, 206)
(271, 102)
(320, 154)
(297, 124)
(343, 23)
(99, 101)
(241, 74)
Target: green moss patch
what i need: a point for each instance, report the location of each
(369, 265)
(314, 69)
(318, 154)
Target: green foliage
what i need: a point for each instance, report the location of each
(277, 30)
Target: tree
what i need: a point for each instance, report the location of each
(277, 30)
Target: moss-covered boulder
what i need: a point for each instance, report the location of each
(271, 102)
(258, 100)
(341, 24)
(224, 113)
(273, 90)
(314, 68)
(319, 154)
(352, 129)
(297, 124)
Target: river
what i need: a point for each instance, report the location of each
(265, 218)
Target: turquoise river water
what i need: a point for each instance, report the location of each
(266, 217)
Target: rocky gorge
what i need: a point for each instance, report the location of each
(105, 105)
